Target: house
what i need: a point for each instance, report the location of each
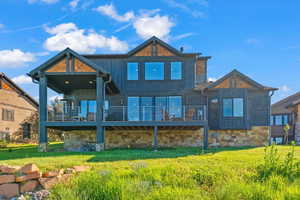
(154, 95)
(15, 107)
(286, 111)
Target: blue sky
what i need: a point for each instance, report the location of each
(259, 38)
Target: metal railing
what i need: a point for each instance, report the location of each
(156, 113)
(137, 113)
(72, 113)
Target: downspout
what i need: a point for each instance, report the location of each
(269, 116)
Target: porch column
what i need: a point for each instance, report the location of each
(43, 139)
(205, 138)
(155, 140)
(100, 130)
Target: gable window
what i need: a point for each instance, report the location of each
(233, 107)
(154, 71)
(8, 115)
(132, 71)
(176, 70)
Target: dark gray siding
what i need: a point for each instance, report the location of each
(256, 108)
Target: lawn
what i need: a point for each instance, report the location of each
(180, 173)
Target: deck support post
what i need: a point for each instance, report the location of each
(43, 136)
(205, 138)
(155, 139)
(100, 130)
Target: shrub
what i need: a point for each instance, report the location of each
(3, 144)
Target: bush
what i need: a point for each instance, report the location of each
(3, 144)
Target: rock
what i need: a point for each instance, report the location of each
(81, 168)
(34, 175)
(7, 179)
(69, 171)
(8, 169)
(53, 173)
(9, 190)
(29, 186)
(65, 177)
(48, 183)
(29, 169)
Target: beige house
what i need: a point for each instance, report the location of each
(15, 106)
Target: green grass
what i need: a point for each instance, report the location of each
(180, 173)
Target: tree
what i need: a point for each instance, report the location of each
(286, 129)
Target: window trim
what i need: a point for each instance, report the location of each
(232, 106)
(181, 70)
(138, 71)
(163, 71)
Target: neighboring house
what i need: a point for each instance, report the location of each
(154, 95)
(15, 107)
(286, 111)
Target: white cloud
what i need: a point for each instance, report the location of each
(147, 26)
(80, 40)
(212, 79)
(181, 36)
(15, 58)
(284, 88)
(110, 10)
(22, 79)
(44, 1)
(187, 9)
(74, 3)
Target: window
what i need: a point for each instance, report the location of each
(233, 107)
(133, 109)
(146, 108)
(8, 115)
(176, 70)
(154, 71)
(278, 120)
(88, 110)
(160, 108)
(285, 119)
(272, 120)
(132, 71)
(175, 107)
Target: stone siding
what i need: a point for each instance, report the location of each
(84, 140)
(257, 136)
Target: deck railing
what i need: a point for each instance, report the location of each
(137, 113)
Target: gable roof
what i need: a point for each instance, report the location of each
(281, 107)
(157, 40)
(243, 77)
(19, 90)
(62, 54)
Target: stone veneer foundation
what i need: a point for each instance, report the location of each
(257, 136)
(85, 140)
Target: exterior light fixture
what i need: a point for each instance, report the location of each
(90, 82)
(67, 82)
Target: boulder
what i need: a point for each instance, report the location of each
(9, 190)
(34, 175)
(29, 169)
(81, 168)
(29, 186)
(53, 173)
(48, 183)
(7, 179)
(8, 169)
(69, 171)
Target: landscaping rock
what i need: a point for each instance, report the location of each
(8, 169)
(34, 175)
(81, 168)
(29, 169)
(29, 186)
(7, 179)
(65, 177)
(69, 171)
(53, 173)
(9, 190)
(48, 183)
